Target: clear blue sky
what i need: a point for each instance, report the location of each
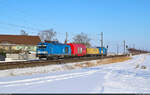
(118, 19)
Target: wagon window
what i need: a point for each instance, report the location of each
(66, 49)
(80, 50)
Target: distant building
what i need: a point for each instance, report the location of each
(19, 42)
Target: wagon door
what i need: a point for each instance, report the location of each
(66, 50)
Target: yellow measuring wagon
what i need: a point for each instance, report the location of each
(92, 51)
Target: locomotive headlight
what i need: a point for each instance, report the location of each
(42, 52)
(45, 52)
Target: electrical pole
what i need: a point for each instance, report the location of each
(102, 43)
(66, 38)
(117, 49)
(124, 42)
(133, 45)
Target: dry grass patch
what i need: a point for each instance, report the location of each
(79, 65)
(69, 67)
(113, 60)
(86, 64)
(143, 67)
(119, 59)
(104, 61)
(90, 64)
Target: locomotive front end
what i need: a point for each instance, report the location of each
(42, 51)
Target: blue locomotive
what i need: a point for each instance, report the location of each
(52, 49)
(102, 50)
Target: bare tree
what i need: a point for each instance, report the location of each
(23, 32)
(47, 35)
(82, 38)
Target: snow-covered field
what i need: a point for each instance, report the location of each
(132, 76)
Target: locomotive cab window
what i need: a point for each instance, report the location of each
(41, 46)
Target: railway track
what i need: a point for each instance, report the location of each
(24, 64)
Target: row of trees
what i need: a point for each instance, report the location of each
(50, 35)
(82, 38)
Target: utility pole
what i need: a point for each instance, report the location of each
(66, 38)
(124, 45)
(117, 49)
(133, 45)
(102, 44)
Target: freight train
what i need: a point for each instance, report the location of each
(55, 50)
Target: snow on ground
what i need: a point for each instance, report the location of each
(11, 61)
(42, 69)
(132, 76)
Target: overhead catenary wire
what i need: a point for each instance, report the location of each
(31, 30)
(20, 26)
(94, 39)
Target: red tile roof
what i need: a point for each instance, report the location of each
(20, 39)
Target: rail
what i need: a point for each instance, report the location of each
(24, 64)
